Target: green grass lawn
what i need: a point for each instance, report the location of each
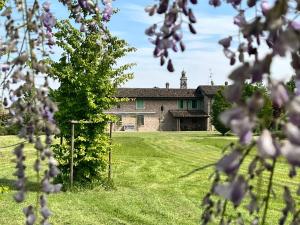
(146, 171)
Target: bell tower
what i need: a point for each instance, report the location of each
(183, 80)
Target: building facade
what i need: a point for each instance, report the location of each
(165, 109)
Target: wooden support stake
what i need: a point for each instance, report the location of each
(72, 155)
(109, 151)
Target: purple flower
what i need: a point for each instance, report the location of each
(225, 42)
(215, 3)
(291, 152)
(46, 6)
(239, 122)
(294, 110)
(234, 191)
(86, 5)
(229, 163)
(293, 133)
(297, 91)
(48, 20)
(266, 146)
(108, 11)
(4, 67)
(242, 128)
(265, 6)
(279, 94)
(240, 19)
(295, 25)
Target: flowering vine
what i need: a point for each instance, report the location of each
(274, 24)
(23, 64)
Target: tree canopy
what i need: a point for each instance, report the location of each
(88, 74)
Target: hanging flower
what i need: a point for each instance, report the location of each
(266, 146)
(294, 110)
(108, 11)
(291, 152)
(229, 163)
(265, 6)
(295, 25)
(279, 94)
(239, 122)
(293, 133)
(234, 191)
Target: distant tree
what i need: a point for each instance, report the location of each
(220, 104)
(265, 114)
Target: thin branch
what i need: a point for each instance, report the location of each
(13, 145)
(268, 193)
(223, 212)
(198, 169)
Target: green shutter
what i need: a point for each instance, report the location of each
(181, 104)
(140, 104)
(192, 104)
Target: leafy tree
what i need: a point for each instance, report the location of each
(220, 104)
(88, 77)
(2, 4)
(291, 85)
(265, 114)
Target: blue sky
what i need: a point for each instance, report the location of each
(203, 54)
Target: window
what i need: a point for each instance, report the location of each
(181, 104)
(118, 106)
(140, 120)
(140, 104)
(194, 104)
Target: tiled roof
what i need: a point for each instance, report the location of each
(209, 89)
(166, 92)
(188, 113)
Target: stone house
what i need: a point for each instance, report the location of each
(165, 109)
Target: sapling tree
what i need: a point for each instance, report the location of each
(274, 24)
(88, 75)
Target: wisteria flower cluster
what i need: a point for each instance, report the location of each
(48, 22)
(81, 9)
(274, 24)
(168, 36)
(23, 65)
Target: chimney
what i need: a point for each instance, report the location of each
(167, 85)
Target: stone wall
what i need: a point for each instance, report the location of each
(155, 118)
(156, 114)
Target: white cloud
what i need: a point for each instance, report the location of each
(203, 53)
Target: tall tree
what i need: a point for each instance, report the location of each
(88, 75)
(220, 104)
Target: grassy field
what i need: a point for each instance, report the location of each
(146, 171)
